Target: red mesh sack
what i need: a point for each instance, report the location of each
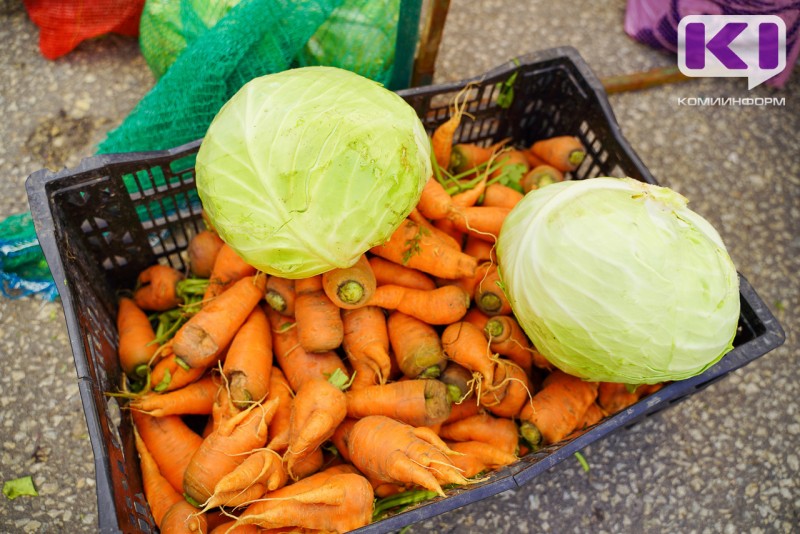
(64, 24)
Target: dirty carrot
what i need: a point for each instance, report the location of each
(156, 288)
(228, 268)
(460, 378)
(414, 402)
(439, 306)
(500, 432)
(350, 287)
(281, 295)
(195, 398)
(416, 346)
(202, 250)
(248, 361)
(501, 196)
(158, 492)
(389, 272)
(478, 457)
(564, 152)
(201, 340)
(171, 443)
(136, 338)
(182, 518)
(366, 340)
(416, 247)
(319, 321)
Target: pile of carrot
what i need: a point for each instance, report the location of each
(321, 404)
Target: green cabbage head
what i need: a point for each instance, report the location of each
(617, 280)
(303, 171)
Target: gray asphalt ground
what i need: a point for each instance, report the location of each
(723, 461)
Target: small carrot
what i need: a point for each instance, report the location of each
(202, 250)
(466, 156)
(540, 176)
(480, 249)
(281, 295)
(319, 321)
(414, 402)
(434, 202)
(136, 338)
(366, 340)
(501, 196)
(171, 443)
(465, 199)
(297, 364)
(182, 518)
(483, 222)
(564, 152)
(201, 340)
(478, 457)
(156, 288)
(500, 432)
(350, 287)
(489, 295)
(195, 398)
(465, 344)
(248, 361)
(556, 409)
(389, 272)
(385, 449)
(158, 492)
(172, 373)
(416, 346)
(416, 247)
(439, 306)
(228, 268)
(442, 137)
(278, 431)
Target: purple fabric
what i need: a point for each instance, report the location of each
(655, 22)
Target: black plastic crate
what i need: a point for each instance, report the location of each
(102, 222)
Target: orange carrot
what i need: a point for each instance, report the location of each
(341, 437)
(416, 346)
(532, 159)
(446, 238)
(466, 156)
(414, 402)
(480, 249)
(477, 318)
(512, 163)
(279, 425)
(439, 306)
(297, 364)
(510, 390)
(318, 408)
(136, 338)
(483, 222)
(556, 409)
(327, 501)
(182, 518)
(489, 295)
(350, 287)
(470, 283)
(172, 373)
(462, 410)
(434, 202)
(310, 464)
(203, 337)
(203, 249)
(469, 197)
(195, 398)
(228, 268)
(499, 432)
(416, 247)
(465, 344)
(158, 492)
(319, 321)
(614, 397)
(248, 362)
(508, 339)
(388, 272)
(501, 196)
(226, 448)
(171, 443)
(449, 228)
(385, 449)
(281, 295)
(478, 457)
(156, 288)
(564, 152)
(262, 471)
(442, 137)
(540, 176)
(459, 381)
(366, 340)
(593, 414)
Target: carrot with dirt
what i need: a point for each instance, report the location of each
(465, 344)
(328, 501)
(366, 340)
(509, 392)
(170, 442)
(440, 306)
(202, 250)
(281, 295)
(158, 492)
(279, 425)
(350, 287)
(416, 346)
(183, 518)
(172, 373)
(489, 295)
(499, 432)
(415, 246)
(228, 268)
(261, 472)
(501, 196)
(225, 448)
(563, 152)
(415, 402)
(248, 361)
(478, 457)
(483, 222)
(156, 288)
(202, 339)
(137, 344)
(319, 321)
(196, 398)
(297, 364)
(386, 449)
(389, 272)
(319, 407)
(540, 176)
(555, 410)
